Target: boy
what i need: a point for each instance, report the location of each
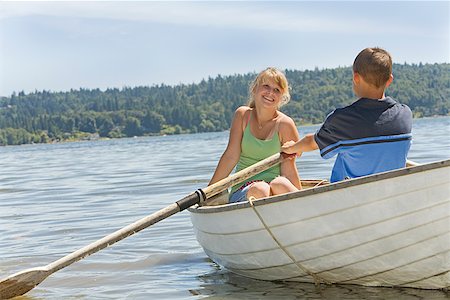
(371, 135)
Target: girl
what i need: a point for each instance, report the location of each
(258, 130)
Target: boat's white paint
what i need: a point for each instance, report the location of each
(389, 229)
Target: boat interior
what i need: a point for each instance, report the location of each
(222, 198)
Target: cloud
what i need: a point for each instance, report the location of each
(111, 43)
(412, 19)
(274, 16)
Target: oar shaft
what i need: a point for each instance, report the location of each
(114, 237)
(164, 213)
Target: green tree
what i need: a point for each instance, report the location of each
(153, 122)
(132, 127)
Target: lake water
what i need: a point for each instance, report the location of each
(57, 198)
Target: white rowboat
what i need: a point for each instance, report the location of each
(387, 229)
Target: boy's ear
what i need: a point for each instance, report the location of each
(356, 77)
(391, 78)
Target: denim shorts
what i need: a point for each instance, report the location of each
(240, 195)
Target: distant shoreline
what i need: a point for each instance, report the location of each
(175, 134)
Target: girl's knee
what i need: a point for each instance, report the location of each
(258, 190)
(281, 185)
(279, 181)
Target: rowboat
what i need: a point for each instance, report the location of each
(387, 229)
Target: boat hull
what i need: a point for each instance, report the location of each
(388, 229)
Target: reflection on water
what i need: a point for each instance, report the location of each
(224, 285)
(55, 199)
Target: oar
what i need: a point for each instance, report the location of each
(22, 282)
(410, 163)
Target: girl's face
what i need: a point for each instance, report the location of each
(268, 94)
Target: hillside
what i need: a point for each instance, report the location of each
(45, 116)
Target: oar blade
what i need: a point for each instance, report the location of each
(22, 282)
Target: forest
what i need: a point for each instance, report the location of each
(78, 114)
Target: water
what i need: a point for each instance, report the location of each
(57, 198)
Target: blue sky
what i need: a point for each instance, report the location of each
(60, 45)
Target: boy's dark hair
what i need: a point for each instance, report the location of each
(374, 65)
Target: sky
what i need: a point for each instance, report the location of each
(62, 45)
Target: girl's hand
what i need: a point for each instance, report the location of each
(288, 156)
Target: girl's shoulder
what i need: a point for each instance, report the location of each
(287, 129)
(243, 112)
(285, 120)
(243, 109)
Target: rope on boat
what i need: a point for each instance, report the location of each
(320, 182)
(316, 278)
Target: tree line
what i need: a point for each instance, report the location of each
(45, 116)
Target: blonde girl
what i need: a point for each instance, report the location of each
(258, 130)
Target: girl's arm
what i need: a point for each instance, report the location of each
(232, 153)
(288, 132)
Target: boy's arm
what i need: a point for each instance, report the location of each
(307, 143)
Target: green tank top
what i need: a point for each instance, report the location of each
(254, 150)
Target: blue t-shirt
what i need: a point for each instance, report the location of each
(369, 136)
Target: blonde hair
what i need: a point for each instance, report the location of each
(374, 65)
(262, 78)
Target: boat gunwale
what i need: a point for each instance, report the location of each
(323, 188)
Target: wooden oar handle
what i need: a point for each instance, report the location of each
(410, 163)
(242, 175)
